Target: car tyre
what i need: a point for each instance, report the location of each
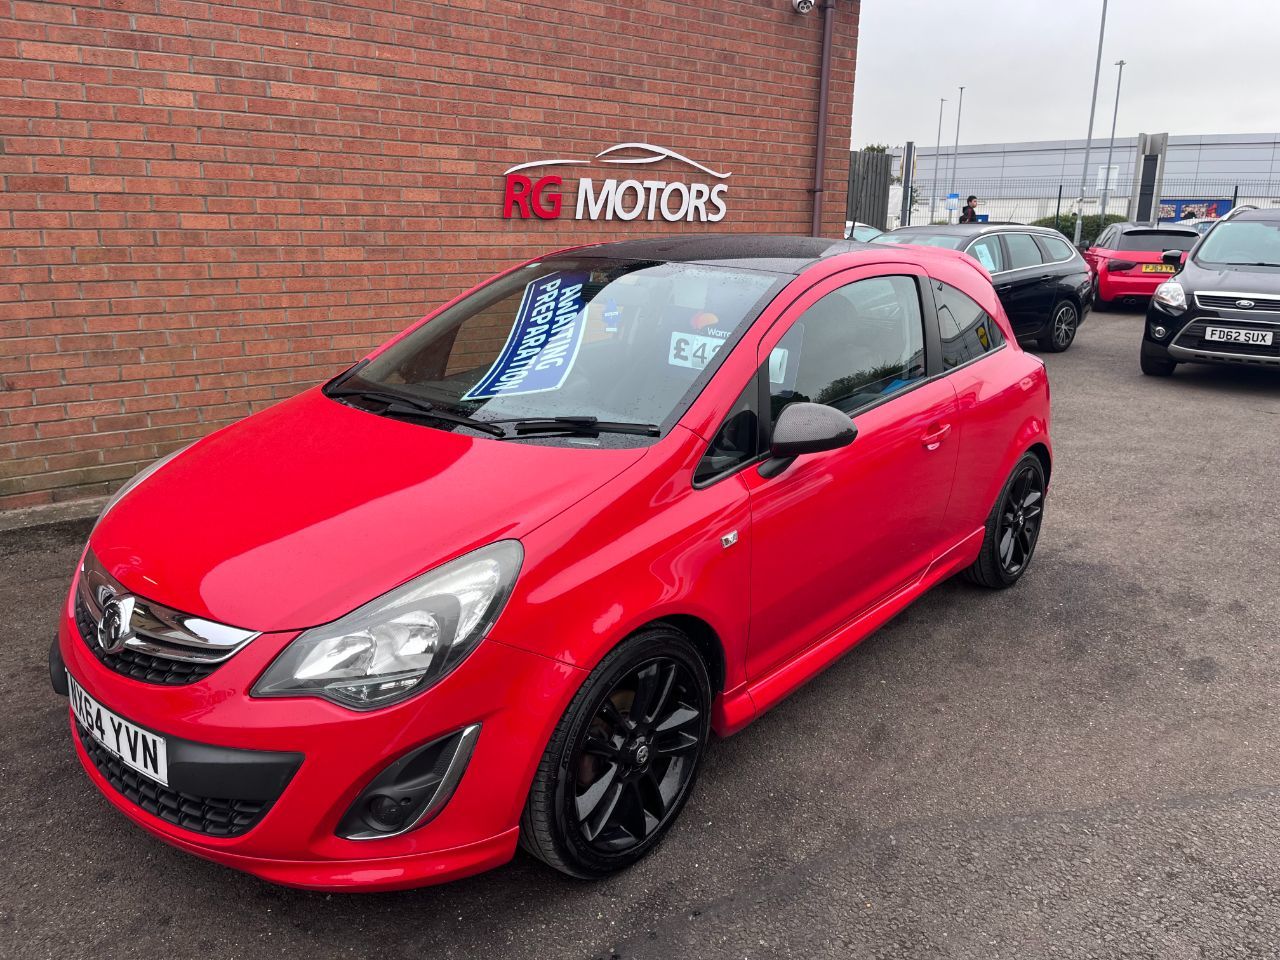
(1156, 366)
(1062, 328)
(1013, 528)
(623, 759)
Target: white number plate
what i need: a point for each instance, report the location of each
(140, 749)
(692, 350)
(1261, 338)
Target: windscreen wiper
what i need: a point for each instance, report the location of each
(586, 425)
(401, 406)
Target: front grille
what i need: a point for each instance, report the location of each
(1192, 338)
(1219, 301)
(134, 663)
(212, 816)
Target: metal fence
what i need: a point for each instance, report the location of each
(1027, 199)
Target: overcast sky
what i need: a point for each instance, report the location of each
(1192, 67)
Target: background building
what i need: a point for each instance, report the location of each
(1021, 181)
(206, 207)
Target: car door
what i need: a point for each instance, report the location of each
(1061, 264)
(972, 345)
(836, 532)
(1025, 288)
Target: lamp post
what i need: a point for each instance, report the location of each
(1106, 187)
(955, 151)
(937, 159)
(1088, 142)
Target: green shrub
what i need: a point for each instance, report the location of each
(1093, 225)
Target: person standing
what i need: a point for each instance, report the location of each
(970, 212)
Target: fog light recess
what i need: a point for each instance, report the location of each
(411, 790)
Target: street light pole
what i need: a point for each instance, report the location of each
(1106, 188)
(1088, 142)
(955, 151)
(937, 158)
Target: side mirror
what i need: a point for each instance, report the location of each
(1174, 258)
(806, 428)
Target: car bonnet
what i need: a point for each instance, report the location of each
(303, 512)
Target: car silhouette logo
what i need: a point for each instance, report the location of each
(114, 630)
(1245, 304)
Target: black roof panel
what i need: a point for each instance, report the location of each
(778, 254)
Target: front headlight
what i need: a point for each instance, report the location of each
(1171, 296)
(403, 642)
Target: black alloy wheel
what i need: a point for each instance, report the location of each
(636, 758)
(624, 758)
(1062, 329)
(1013, 529)
(1018, 526)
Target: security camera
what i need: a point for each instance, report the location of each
(802, 6)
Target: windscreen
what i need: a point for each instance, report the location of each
(614, 339)
(1154, 241)
(1245, 243)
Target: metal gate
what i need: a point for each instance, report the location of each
(869, 175)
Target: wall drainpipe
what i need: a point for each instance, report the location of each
(820, 161)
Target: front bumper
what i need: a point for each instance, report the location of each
(516, 697)
(1186, 341)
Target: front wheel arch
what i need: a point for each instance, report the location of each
(705, 641)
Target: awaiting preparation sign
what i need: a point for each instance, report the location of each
(543, 344)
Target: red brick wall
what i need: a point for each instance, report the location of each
(208, 206)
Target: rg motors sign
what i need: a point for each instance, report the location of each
(532, 191)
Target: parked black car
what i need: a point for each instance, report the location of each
(1223, 306)
(1043, 282)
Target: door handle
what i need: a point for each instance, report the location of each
(1005, 288)
(1046, 276)
(934, 436)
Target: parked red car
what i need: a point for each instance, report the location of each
(500, 581)
(1127, 260)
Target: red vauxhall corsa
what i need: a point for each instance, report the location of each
(499, 583)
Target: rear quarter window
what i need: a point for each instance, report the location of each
(1055, 248)
(967, 331)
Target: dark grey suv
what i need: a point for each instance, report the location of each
(1223, 306)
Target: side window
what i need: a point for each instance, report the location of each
(989, 253)
(1106, 238)
(1055, 248)
(854, 346)
(1023, 251)
(966, 329)
(736, 442)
